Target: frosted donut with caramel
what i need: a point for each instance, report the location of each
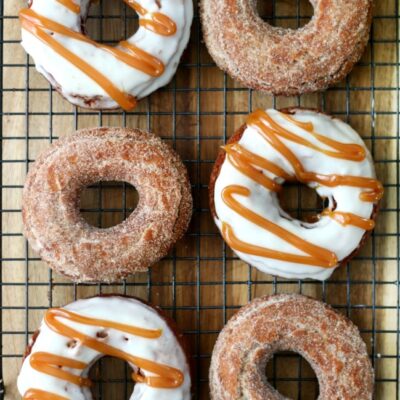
(98, 76)
(55, 227)
(72, 338)
(286, 61)
(330, 342)
(294, 145)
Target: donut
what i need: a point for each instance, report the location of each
(55, 228)
(71, 339)
(286, 61)
(330, 343)
(310, 147)
(94, 75)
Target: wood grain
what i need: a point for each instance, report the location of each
(201, 284)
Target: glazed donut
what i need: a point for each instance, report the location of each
(57, 231)
(286, 61)
(294, 145)
(98, 76)
(330, 342)
(71, 339)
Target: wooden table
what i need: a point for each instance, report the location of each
(201, 284)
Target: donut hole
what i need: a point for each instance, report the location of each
(293, 14)
(301, 202)
(110, 376)
(292, 376)
(106, 204)
(111, 21)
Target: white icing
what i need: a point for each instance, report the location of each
(326, 233)
(164, 350)
(73, 82)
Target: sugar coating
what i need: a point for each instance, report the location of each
(57, 231)
(286, 61)
(330, 342)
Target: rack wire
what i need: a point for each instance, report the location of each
(201, 283)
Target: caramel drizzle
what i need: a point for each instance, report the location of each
(251, 165)
(347, 151)
(75, 8)
(37, 394)
(271, 131)
(50, 364)
(350, 219)
(157, 22)
(130, 54)
(317, 255)
(246, 162)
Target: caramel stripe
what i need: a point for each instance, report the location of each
(136, 57)
(145, 61)
(245, 161)
(75, 8)
(36, 394)
(133, 330)
(347, 151)
(345, 218)
(270, 131)
(157, 22)
(164, 375)
(49, 364)
(317, 255)
(247, 169)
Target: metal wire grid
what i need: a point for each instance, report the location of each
(202, 263)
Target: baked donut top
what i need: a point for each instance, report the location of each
(51, 213)
(97, 75)
(286, 61)
(71, 339)
(329, 341)
(305, 146)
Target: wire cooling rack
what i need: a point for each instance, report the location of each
(201, 284)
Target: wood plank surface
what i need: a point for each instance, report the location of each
(201, 284)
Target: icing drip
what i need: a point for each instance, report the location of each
(42, 28)
(252, 166)
(162, 376)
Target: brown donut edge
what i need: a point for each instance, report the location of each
(319, 85)
(179, 336)
(215, 384)
(236, 137)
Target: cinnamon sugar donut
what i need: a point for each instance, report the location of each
(96, 75)
(294, 145)
(55, 227)
(330, 342)
(286, 61)
(72, 338)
